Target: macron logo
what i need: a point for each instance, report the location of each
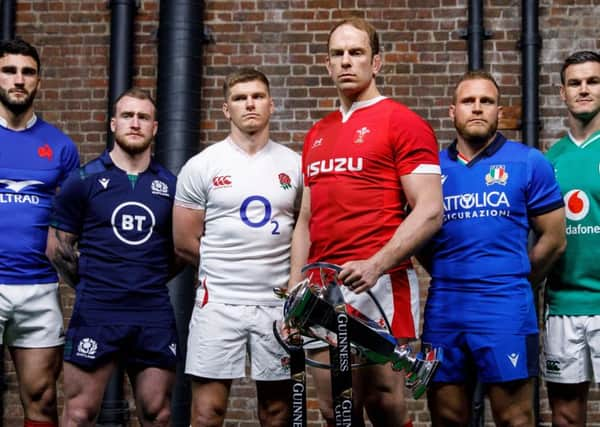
(514, 359)
(104, 182)
(17, 186)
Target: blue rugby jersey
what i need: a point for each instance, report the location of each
(125, 241)
(480, 260)
(33, 163)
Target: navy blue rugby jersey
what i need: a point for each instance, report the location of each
(125, 240)
(33, 163)
(480, 262)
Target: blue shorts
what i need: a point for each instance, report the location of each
(139, 347)
(493, 358)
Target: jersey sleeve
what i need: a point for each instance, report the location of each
(308, 140)
(69, 159)
(543, 193)
(69, 205)
(415, 145)
(191, 191)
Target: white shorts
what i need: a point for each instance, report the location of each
(571, 349)
(221, 335)
(31, 316)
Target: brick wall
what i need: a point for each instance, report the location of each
(422, 50)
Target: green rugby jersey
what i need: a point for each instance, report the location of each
(573, 286)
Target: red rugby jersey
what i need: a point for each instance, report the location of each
(352, 164)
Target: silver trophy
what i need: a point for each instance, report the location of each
(311, 308)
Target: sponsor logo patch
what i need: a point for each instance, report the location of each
(316, 143)
(222, 181)
(496, 175)
(45, 151)
(159, 188)
(514, 359)
(577, 205)
(104, 182)
(360, 135)
(285, 181)
(87, 348)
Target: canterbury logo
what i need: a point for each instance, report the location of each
(222, 181)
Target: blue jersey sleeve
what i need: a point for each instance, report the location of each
(69, 160)
(543, 193)
(69, 205)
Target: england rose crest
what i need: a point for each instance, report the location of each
(285, 181)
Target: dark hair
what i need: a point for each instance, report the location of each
(362, 25)
(244, 75)
(19, 47)
(578, 58)
(134, 93)
(475, 75)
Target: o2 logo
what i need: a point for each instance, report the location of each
(256, 212)
(132, 223)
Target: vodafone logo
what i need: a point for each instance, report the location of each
(222, 181)
(577, 205)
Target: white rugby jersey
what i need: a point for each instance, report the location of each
(250, 204)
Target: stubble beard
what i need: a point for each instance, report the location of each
(476, 139)
(17, 107)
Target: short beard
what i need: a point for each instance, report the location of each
(17, 108)
(133, 150)
(477, 140)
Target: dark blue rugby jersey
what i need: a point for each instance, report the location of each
(33, 163)
(125, 240)
(480, 260)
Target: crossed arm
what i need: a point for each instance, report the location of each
(61, 250)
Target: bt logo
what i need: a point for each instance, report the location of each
(132, 223)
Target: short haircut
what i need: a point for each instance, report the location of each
(19, 47)
(475, 75)
(136, 93)
(578, 58)
(362, 25)
(244, 75)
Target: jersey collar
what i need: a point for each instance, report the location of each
(108, 162)
(489, 151)
(582, 144)
(28, 125)
(358, 105)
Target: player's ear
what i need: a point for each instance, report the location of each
(563, 93)
(113, 124)
(500, 111)
(225, 109)
(328, 66)
(376, 64)
(451, 111)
